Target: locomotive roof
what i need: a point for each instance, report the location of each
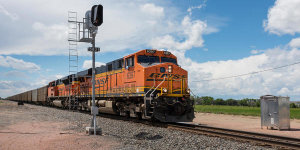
(155, 52)
(114, 63)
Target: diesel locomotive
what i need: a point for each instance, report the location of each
(148, 84)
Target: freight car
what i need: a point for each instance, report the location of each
(148, 84)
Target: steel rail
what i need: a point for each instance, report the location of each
(261, 139)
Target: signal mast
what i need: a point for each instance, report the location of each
(93, 19)
(96, 18)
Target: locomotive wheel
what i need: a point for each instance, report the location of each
(140, 115)
(127, 114)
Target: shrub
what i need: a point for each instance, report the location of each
(231, 102)
(219, 101)
(293, 105)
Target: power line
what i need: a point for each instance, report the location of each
(256, 72)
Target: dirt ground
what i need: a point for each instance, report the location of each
(20, 129)
(246, 123)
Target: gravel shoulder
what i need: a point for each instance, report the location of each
(37, 127)
(246, 123)
(30, 127)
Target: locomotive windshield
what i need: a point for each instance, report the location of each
(148, 59)
(167, 59)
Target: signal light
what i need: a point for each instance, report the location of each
(97, 15)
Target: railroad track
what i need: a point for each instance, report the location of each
(266, 140)
(280, 142)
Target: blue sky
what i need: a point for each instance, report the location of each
(212, 39)
(240, 30)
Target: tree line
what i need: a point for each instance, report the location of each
(208, 100)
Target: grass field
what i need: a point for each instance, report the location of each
(239, 110)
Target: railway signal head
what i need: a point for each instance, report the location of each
(97, 15)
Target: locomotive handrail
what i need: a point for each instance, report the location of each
(156, 88)
(150, 88)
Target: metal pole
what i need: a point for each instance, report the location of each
(93, 82)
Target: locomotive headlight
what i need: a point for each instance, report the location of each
(188, 91)
(170, 69)
(165, 90)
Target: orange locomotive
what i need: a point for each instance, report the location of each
(148, 84)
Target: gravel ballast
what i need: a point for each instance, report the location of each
(130, 135)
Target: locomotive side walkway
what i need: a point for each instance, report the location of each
(245, 123)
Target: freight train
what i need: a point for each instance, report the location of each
(148, 84)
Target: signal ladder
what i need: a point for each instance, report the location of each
(73, 58)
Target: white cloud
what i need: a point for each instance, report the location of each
(88, 64)
(18, 64)
(190, 9)
(59, 76)
(295, 43)
(283, 17)
(50, 40)
(283, 91)
(12, 16)
(8, 88)
(44, 28)
(192, 31)
(283, 81)
(152, 9)
(255, 51)
(14, 74)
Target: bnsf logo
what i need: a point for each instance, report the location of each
(101, 81)
(159, 75)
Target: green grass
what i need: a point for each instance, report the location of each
(239, 110)
(295, 113)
